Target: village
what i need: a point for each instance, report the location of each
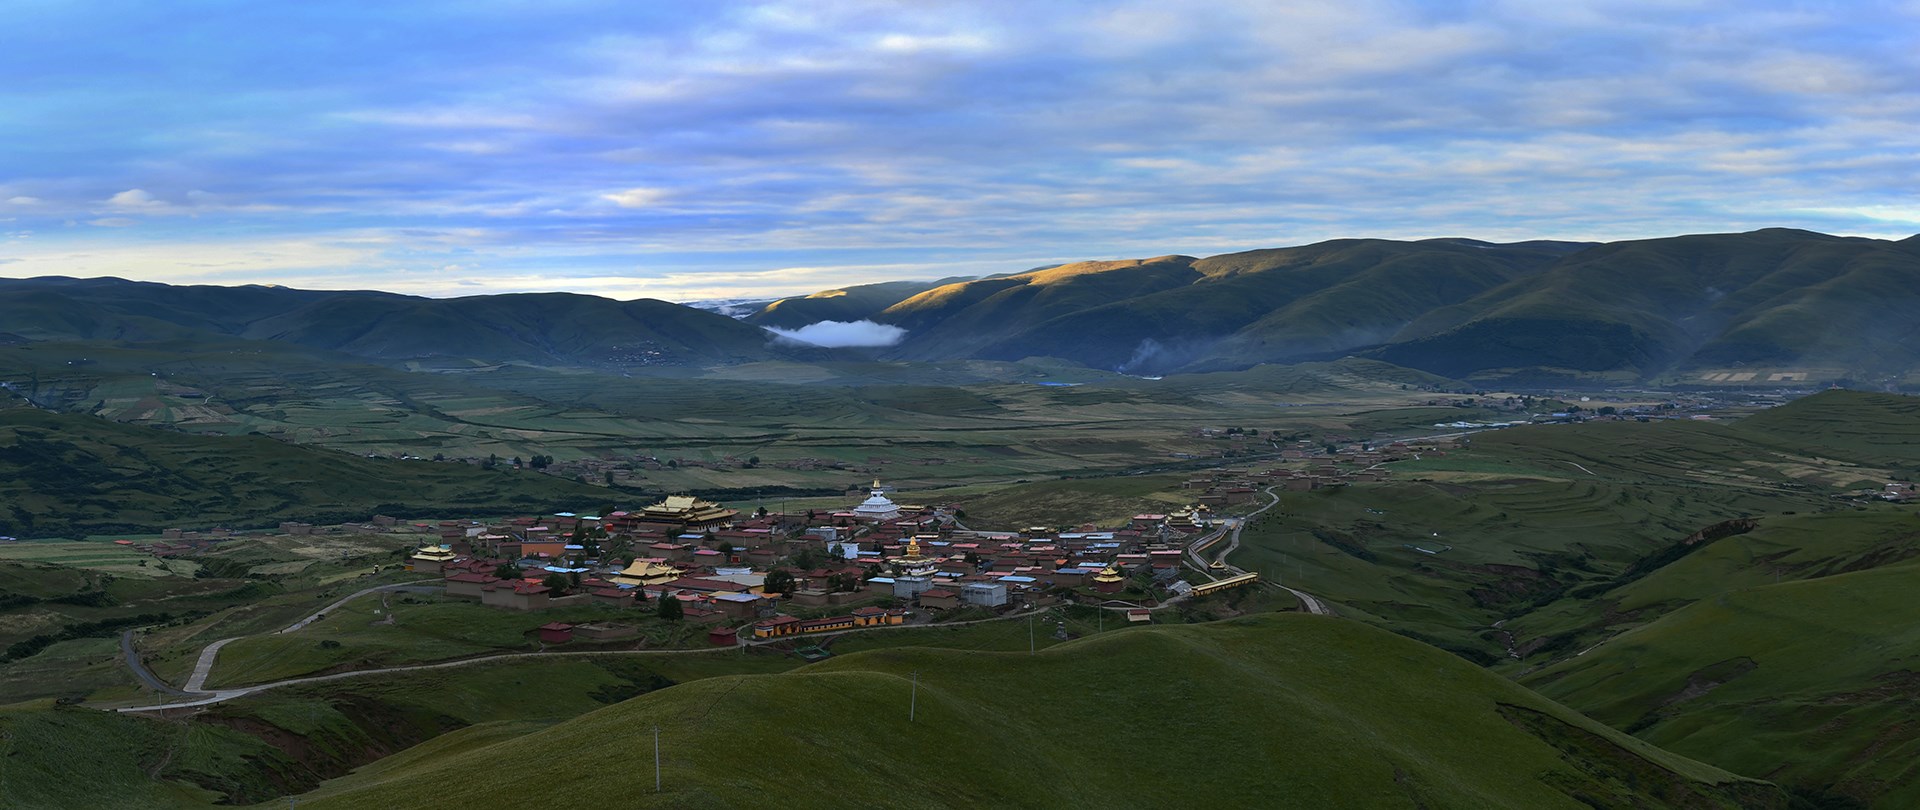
(759, 577)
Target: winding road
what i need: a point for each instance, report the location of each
(1230, 529)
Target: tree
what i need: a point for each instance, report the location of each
(674, 463)
(557, 582)
(670, 609)
(753, 461)
(507, 570)
(781, 581)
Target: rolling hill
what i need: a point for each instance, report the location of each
(1638, 310)
(72, 474)
(542, 329)
(1272, 710)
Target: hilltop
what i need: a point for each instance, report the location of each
(1677, 308)
(1274, 710)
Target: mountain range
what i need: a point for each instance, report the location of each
(1645, 310)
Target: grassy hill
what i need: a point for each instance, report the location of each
(1767, 298)
(547, 329)
(1227, 311)
(1810, 682)
(1275, 710)
(65, 474)
(856, 303)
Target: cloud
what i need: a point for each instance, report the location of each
(680, 149)
(842, 334)
(113, 222)
(134, 199)
(637, 197)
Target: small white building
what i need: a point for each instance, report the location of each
(984, 594)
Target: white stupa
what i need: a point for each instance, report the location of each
(878, 507)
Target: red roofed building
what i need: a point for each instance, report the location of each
(939, 598)
(556, 633)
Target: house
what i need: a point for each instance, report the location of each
(469, 585)
(723, 636)
(980, 594)
(556, 633)
(614, 597)
(939, 598)
(778, 625)
(515, 595)
(909, 587)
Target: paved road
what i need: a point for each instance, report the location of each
(140, 670)
(1231, 531)
(203, 667)
(223, 695)
(415, 586)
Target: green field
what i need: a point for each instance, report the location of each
(1318, 713)
(1810, 682)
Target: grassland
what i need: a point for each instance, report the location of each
(1811, 682)
(76, 475)
(1319, 713)
(290, 740)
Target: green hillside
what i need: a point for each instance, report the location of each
(1227, 311)
(1810, 682)
(1275, 711)
(547, 329)
(71, 474)
(1768, 298)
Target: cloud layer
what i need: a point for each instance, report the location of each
(688, 150)
(841, 334)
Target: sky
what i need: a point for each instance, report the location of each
(716, 150)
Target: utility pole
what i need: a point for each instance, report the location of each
(656, 759)
(913, 697)
(1030, 635)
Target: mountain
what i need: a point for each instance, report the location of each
(1232, 311)
(1767, 298)
(72, 474)
(1655, 309)
(542, 329)
(1274, 710)
(856, 303)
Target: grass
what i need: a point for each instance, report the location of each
(1296, 711)
(425, 629)
(1811, 682)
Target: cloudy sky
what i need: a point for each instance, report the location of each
(707, 149)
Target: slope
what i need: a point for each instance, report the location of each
(1645, 307)
(1810, 682)
(1227, 311)
(855, 303)
(1273, 710)
(68, 474)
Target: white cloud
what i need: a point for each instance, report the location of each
(113, 222)
(842, 334)
(637, 197)
(24, 200)
(134, 199)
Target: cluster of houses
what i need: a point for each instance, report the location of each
(859, 567)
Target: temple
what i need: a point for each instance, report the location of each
(915, 563)
(686, 513)
(877, 508)
(644, 572)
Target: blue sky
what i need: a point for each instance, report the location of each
(692, 150)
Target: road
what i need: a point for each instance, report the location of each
(1230, 529)
(203, 667)
(223, 695)
(140, 670)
